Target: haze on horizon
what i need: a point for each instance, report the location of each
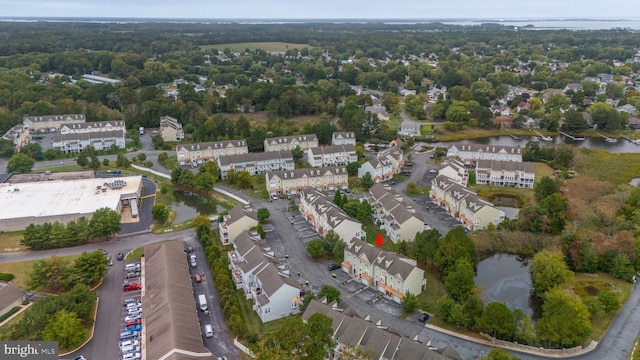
(328, 9)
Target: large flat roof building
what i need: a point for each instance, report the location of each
(64, 200)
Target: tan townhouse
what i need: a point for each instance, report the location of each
(256, 163)
(262, 278)
(92, 127)
(380, 169)
(19, 136)
(395, 155)
(171, 129)
(505, 173)
(454, 169)
(282, 143)
(240, 218)
(324, 215)
(389, 273)
(331, 155)
(51, 122)
(199, 153)
(290, 182)
(343, 138)
(397, 218)
(470, 153)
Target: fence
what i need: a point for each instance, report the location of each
(151, 171)
(233, 196)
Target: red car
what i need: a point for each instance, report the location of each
(133, 322)
(132, 286)
(432, 156)
(197, 278)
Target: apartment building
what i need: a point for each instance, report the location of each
(19, 136)
(240, 218)
(256, 163)
(199, 153)
(324, 215)
(92, 127)
(464, 205)
(380, 169)
(389, 273)
(472, 152)
(343, 138)
(395, 155)
(51, 122)
(397, 218)
(454, 169)
(76, 142)
(331, 155)
(505, 173)
(290, 182)
(171, 129)
(284, 143)
(256, 271)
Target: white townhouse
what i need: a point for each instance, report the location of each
(331, 155)
(51, 122)
(379, 169)
(76, 142)
(93, 127)
(256, 163)
(281, 143)
(343, 138)
(505, 173)
(171, 129)
(19, 136)
(397, 218)
(290, 182)
(454, 169)
(389, 273)
(324, 215)
(409, 128)
(268, 284)
(240, 218)
(473, 152)
(200, 153)
(464, 205)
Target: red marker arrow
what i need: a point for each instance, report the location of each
(379, 240)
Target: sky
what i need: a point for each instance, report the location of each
(322, 9)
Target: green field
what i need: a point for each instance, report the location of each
(266, 46)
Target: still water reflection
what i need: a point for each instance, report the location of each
(506, 278)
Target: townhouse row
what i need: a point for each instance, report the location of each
(386, 163)
(397, 218)
(324, 215)
(285, 183)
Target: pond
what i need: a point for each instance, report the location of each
(510, 213)
(506, 278)
(188, 205)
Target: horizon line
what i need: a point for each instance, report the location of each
(498, 19)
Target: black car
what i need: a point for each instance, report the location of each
(120, 256)
(333, 267)
(423, 318)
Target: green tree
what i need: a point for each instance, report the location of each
(88, 269)
(425, 245)
(244, 180)
(609, 300)
(548, 270)
(315, 248)
(82, 160)
(352, 168)
(337, 199)
(160, 213)
(565, 320)
(545, 187)
(7, 148)
(49, 274)
(331, 293)
(499, 354)
(212, 168)
(498, 321)
(367, 181)
(297, 153)
(317, 334)
(263, 214)
(122, 161)
(104, 223)
(460, 280)
(409, 302)
(66, 328)
(20, 163)
(574, 121)
(105, 162)
(204, 181)
(455, 245)
(364, 211)
(95, 163)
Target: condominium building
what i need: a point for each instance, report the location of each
(283, 143)
(325, 216)
(331, 155)
(19, 135)
(379, 169)
(76, 142)
(454, 169)
(256, 163)
(397, 218)
(472, 152)
(505, 173)
(343, 138)
(240, 218)
(199, 153)
(292, 181)
(51, 122)
(93, 127)
(171, 129)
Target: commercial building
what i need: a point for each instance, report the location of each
(64, 200)
(397, 218)
(326, 216)
(92, 127)
(171, 129)
(284, 143)
(76, 142)
(172, 330)
(472, 152)
(199, 153)
(256, 163)
(343, 138)
(51, 122)
(505, 173)
(19, 135)
(239, 219)
(331, 155)
(290, 182)
(391, 274)
(266, 282)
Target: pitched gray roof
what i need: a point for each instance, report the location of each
(333, 149)
(231, 160)
(393, 263)
(64, 117)
(497, 165)
(309, 172)
(322, 205)
(290, 139)
(94, 124)
(238, 212)
(57, 137)
(215, 145)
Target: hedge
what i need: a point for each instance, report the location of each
(11, 312)
(6, 277)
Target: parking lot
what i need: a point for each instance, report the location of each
(130, 325)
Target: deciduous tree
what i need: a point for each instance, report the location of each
(66, 328)
(565, 320)
(20, 163)
(160, 213)
(548, 270)
(104, 223)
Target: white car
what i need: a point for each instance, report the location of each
(134, 306)
(208, 330)
(433, 171)
(131, 356)
(133, 317)
(129, 343)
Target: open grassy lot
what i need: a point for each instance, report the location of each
(20, 270)
(616, 168)
(266, 46)
(254, 324)
(10, 241)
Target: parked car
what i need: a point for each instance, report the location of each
(110, 261)
(133, 328)
(192, 261)
(132, 286)
(104, 252)
(134, 312)
(132, 317)
(432, 156)
(129, 349)
(132, 267)
(433, 171)
(131, 356)
(409, 164)
(80, 358)
(333, 267)
(208, 330)
(120, 256)
(125, 335)
(197, 278)
(423, 318)
(130, 301)
(129, 343)
(133, 322)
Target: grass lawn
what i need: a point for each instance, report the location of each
(635, 355)
(170, 163)
(10, 242)
(254, 324)
(606, 166)
(135, 254)
(266, 46)
(542, 170)
(522, 196)
(20, 270)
